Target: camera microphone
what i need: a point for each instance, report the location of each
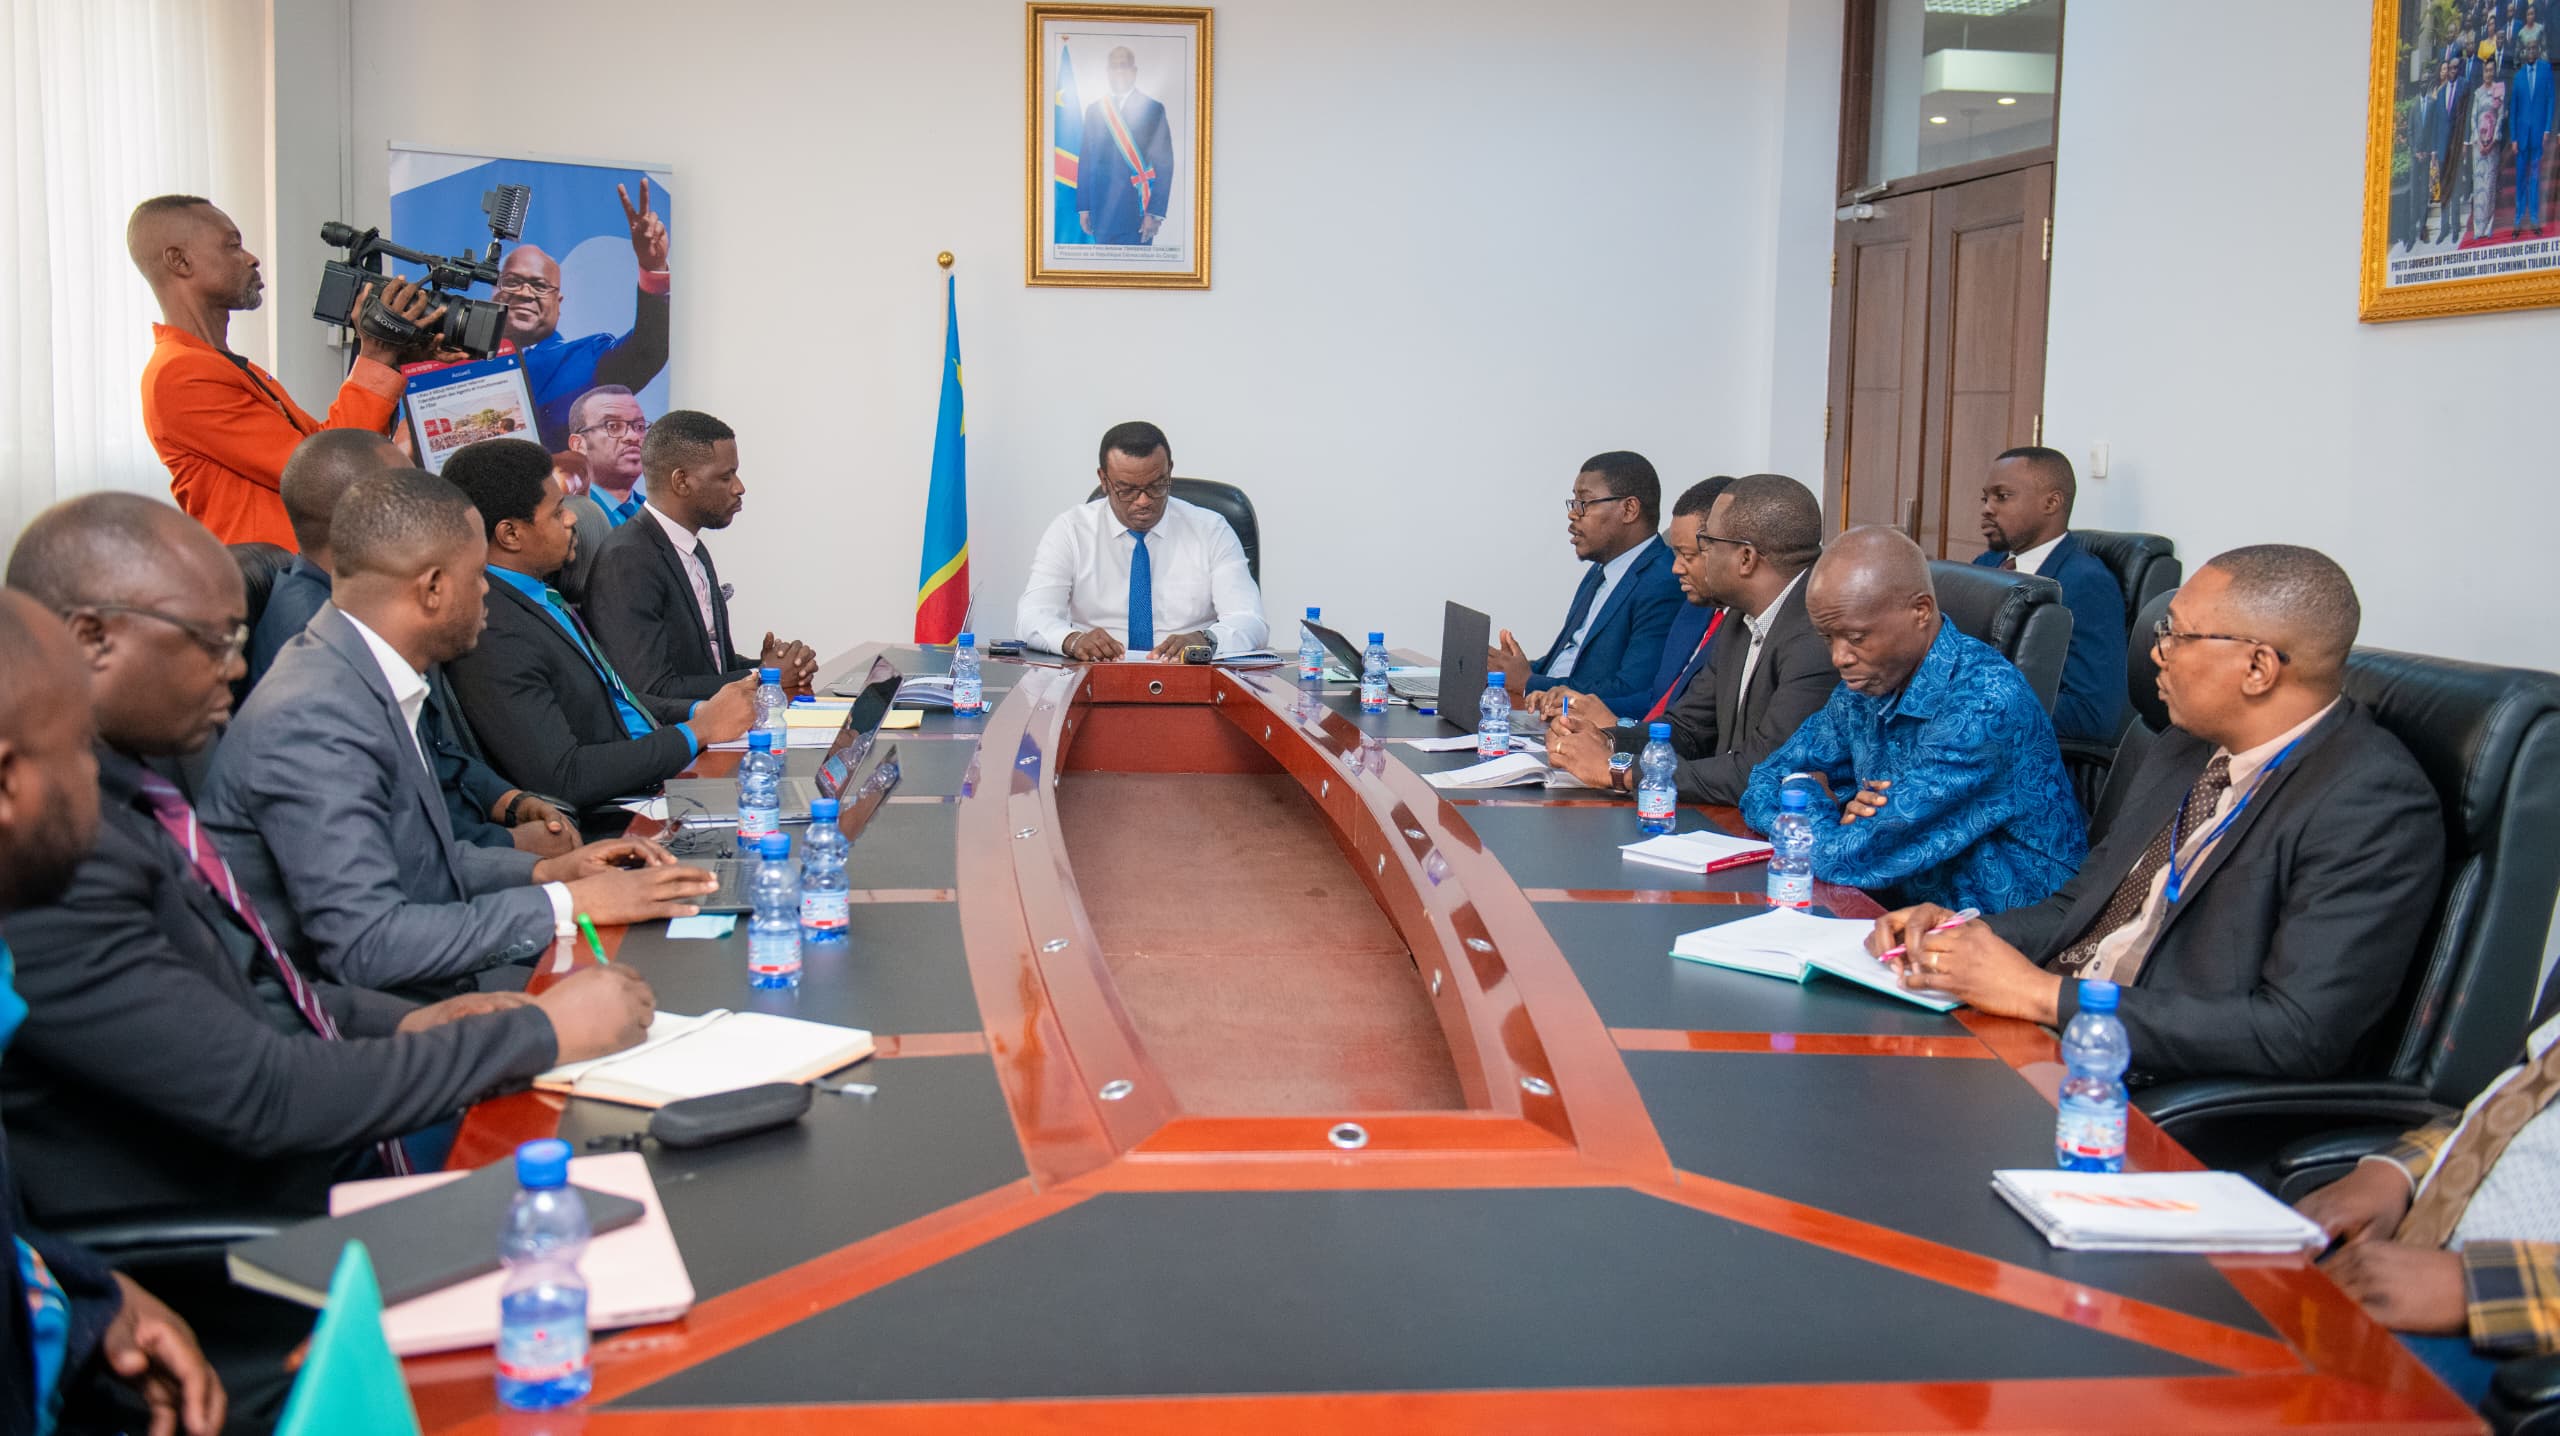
(337, 235)
(506, 207)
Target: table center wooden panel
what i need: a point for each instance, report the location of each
(1232, 1077)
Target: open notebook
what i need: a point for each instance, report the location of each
(720, 1051)
(1795, 945)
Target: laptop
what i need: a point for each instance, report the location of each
(1416, 688)
(700, 802)
(734, 870)
(1466, 636)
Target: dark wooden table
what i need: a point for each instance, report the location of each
(1674, 1198)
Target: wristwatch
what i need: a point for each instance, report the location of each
(1620, 765)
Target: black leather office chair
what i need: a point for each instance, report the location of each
(2020, 614)
(1227, 502)
(259, 565)
(2145, 715)
(2488, 739)
(2146, 568)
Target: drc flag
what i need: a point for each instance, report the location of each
(1066, 126)
(942, 579)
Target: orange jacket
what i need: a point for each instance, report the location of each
(225, 430)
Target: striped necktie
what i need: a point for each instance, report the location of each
(179, 820)
(595, 659)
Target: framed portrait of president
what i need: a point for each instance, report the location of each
(1117, 128)
(2462, 162)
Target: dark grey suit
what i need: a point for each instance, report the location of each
(1793, 678)
(2293, 935)
(325, 811)
(547, 717)
(593, 526)
(641, 609)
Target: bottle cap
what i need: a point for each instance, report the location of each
(542, 1165)
(1377, 638)
(1312, 612)
(825, 810)
(1659, 732)
(1794, 800)
(768, 675)
(1493, 680)
(2098, 996)
(760, 741)
(968, 640)
(774, 845)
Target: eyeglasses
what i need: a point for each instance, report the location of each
(618, 428)
(2168, 638)
(525, 284)
(1573, 507)
(222, 644)
(1159, 491)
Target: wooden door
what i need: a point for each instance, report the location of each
(1988, 258)
(1879, 362)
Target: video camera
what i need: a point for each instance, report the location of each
(470, 325)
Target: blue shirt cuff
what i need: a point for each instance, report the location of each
(692, 742)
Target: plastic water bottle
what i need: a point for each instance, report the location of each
(968, 691)
(542, 1309)
(759, 791)
(825, 885)
(1493, 719)
(773, 929)
(2088, 1135)
(1373, 675)
(1791, 850)
(772, 706)
(1657, 787)
(1310, 651)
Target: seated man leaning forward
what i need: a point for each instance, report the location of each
(2261, 893)
(1955, 783)
(1138, 570)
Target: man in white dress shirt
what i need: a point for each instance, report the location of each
(1139, 570)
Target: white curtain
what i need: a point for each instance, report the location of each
(104, 103)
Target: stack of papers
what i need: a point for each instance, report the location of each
(1253, 658)
(2156, 1212)
(1466, 743)
(1794, 945)
(1703, 851)
(1512, 770)
(795, 736)
(926, 690)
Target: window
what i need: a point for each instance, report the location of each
(1952, 82)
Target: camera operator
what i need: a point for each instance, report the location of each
(224, 426)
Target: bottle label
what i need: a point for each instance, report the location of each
(758, 822)
(773, 953)
(539, 1353)
(1791, 890)
(825, 912)
(1656, 805)
(2089, 1138)
(1373, 697)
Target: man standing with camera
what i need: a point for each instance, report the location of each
(224, 426)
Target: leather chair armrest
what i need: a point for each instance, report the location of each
(2303, 1167)
(2087, 750)
(2345, 1103)
(2524, 1397)
(145, 1240)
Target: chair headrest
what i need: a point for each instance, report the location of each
(2141, 674)
(2128, 556)
(259, 565)
(2462, 721)
(1991, 604)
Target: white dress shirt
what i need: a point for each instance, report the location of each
(2032, 561)
(1561, 666)
(1758, 624)
(1196, 574)
(689, 553)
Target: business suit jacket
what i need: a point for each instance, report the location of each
(1104, 187)
(88, 1288)
(640, 608)
(329, 819)
(1679, 646)
(2091, 701)
(593, 527)
(1623, 643)
(2293, 935)
(160, 1067)
(547, 718)
(1793, 679)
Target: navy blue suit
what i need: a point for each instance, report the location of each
(1681, 660)
(2092, 698)
(1103, 173)
(1623, 646)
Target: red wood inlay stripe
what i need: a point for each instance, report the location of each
(1643, 896)
(879, 895)
(1826, 1044)
(929, 1044)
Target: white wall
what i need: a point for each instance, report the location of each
(1459, 247)
(2207, 222)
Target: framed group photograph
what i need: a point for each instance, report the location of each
(2460, 159)
(1117, 130)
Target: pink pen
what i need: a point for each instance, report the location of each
(1958, 920)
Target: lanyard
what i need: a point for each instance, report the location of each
(2178, 871)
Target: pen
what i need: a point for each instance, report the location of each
(1889, 954)
(587, 925)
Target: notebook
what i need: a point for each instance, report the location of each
(1703, 851)
(425, 1243)
(1512, 770)
(720, 1051)
(2156, 1212)
(635, 1275)
(1783, 942)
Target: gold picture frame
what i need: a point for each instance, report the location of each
(1117, 121)
(2429, 182)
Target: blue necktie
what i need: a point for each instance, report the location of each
(1581, 608)
(1142, 596)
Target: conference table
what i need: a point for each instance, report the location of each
(1232, 1077)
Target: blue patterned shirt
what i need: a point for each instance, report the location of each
(1980, 813)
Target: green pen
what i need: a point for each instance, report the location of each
(587, 925)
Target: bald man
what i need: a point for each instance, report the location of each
(2261, 894)
(222, 425)
(48, 817)
(559, 370)
(322, 794)
(1953, 783)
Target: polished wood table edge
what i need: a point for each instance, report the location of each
(1822, 1044)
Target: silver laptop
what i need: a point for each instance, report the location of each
(1415, 688)
(700, 802)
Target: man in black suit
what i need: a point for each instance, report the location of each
(555, 714)
(1759, 684)
(2261, 895)
(174, 1058)
(655, 601)
(98, 1323)
(483, 807)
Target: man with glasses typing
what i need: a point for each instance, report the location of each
(2261, 893)
(559, 370)
(607, 429)
(1138, 570)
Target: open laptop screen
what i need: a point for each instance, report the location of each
(861, 727)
